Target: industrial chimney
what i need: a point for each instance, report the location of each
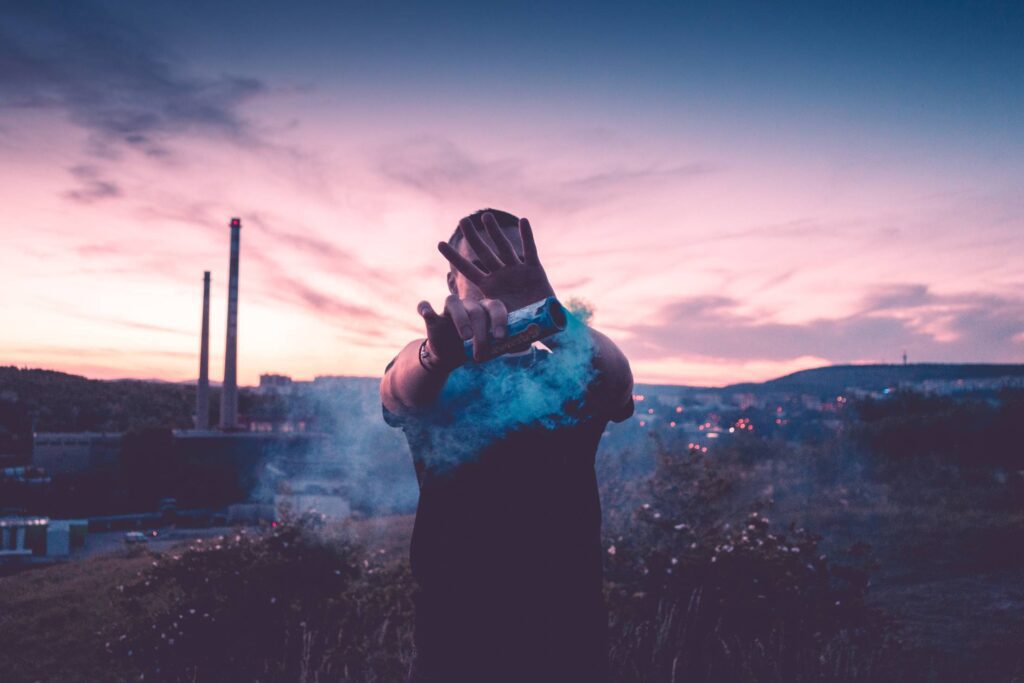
(203, 388)
(229, 391)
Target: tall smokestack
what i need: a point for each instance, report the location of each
(229, 391)
(203, 388)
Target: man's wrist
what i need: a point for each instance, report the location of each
(430, 361)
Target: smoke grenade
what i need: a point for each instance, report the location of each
(526, 325)
(482, 402)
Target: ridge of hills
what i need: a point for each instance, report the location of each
(59, 401)
(833, 378)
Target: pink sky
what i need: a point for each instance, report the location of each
(716, 243)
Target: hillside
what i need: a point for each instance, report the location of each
(837, 378)
(60, 402)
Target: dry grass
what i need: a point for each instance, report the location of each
(55, 622)
(950, 574)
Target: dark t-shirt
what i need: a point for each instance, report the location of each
(506, 546)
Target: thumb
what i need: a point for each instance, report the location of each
(427, 312)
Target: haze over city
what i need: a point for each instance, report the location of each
(739, 193)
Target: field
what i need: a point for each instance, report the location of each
(866, 551)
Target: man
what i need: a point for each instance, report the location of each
(506, 549)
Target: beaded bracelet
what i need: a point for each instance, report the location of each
(427, 359)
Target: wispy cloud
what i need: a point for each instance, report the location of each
(94, 249)
(121, 86)
(617, 178)
(326, 253)
(278, 285)
(932, 326)
(69, 310)
(92, 187)
(94, 353)
(293, 291)
(442, 169)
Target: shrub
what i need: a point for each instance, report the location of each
(292, 604)
(697, 598)
(965, 431)
(696, 592)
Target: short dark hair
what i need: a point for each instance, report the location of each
(505, 220)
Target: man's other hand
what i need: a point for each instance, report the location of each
(505, 276)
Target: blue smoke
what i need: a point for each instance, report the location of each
(481, 403)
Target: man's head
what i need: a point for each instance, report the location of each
(457, 282)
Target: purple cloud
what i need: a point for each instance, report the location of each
(113, 81)
(441, 169)
(930, 326)
(93, 186)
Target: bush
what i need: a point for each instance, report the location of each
(288, 605)
(696, 598)
(968, 432)
(696, 591)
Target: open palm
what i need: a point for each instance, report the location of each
(515, 280)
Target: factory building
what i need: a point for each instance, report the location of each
(62, 454)
(15, 432)
(205, 467)
(275, 384)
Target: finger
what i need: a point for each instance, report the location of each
(472, 273)
(498, 315)
(457, 312)
(505, 249)
(529, 246)
(480, 248)
(427, 312)
(478, 321)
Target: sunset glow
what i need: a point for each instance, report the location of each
(738, 196)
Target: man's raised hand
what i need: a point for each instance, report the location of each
(478, 319)
(503, 275)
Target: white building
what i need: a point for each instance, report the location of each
(14, 532)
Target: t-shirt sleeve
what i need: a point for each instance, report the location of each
(624, 412)
(403, 420)
(605, 395)
(390, 418)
